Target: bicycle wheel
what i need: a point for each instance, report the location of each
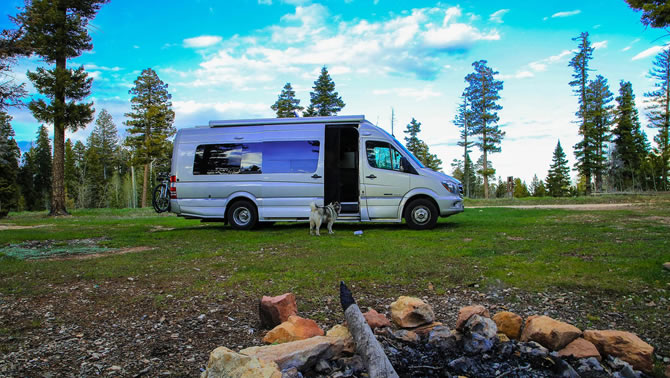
(160, 200)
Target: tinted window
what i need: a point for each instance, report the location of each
(266, 157)
(383, 156)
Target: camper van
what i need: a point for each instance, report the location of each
(249, 172)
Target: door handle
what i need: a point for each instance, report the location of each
(372, 177)
(315, 176)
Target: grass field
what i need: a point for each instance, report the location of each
(616, 255)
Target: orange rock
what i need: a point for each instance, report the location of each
(410, 312)
(580, 348)
(375, 319)
(276, 310)
(466, 312)
(426, 329)
(667, 371)
(625, 345)
(550, 333)
(298, 353)
(508, 323)
(295, 328)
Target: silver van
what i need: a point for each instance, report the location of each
(264, 170)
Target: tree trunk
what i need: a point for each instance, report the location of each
(486, 177)
(58, 173)
(144, 184)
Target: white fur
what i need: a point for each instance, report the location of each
(319, 215)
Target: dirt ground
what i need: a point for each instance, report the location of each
(114, 328)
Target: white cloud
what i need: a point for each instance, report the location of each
(522, 74)
(538, 66)
(409, 44)
(202, 41)
(498, 15)
(566, 13)
(636, 40)
(599, 45)
(265, 2)
(91, 66)
(542, 64)
(417, 94)
(626, 48)
(649, 52)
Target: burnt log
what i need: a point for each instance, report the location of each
(367, 346)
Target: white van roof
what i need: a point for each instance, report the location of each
(284, 121)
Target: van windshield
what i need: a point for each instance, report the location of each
(402, 146)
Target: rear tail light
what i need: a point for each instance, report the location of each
(173, 187)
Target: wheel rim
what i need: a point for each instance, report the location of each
(420, 215)
(242, 216)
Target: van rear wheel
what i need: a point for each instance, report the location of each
(421, 214)
(242, 215)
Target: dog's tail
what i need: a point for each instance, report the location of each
(313, 206)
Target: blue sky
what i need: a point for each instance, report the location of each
(230, 59)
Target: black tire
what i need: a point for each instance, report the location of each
(160, 204)
(421, 214)
(242, 215)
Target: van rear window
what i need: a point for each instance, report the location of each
(264, 157)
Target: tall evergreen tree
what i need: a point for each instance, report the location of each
(629, 140)
(324, 101)
(520, 189)
(26, 181)
(654, 12)
(150, 122)
(57, 31)
(287, 105)
(419, 148)
(43, 167)
(584, 150)
(537, 188)
(9, 166)
(558, 177)
(658, 111)
(462, 121)
(599, 119)
(482, 95)
(485, 172)
(71, 174)
(105, 138)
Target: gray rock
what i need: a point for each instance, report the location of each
(627, 372)
(590, 364)
(534, 349)
(462, 364)
(479, 334)
(291, 373)
(443, 338)
(322, 367)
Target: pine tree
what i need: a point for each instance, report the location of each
(101, 158)
(9, 166)
(44, 167)
(26, 181)
(462, 121)
(599, 118)
(584, 150)
(520, 189)
(10, 48)
(537, 188)
(287, 105)
(629, 140)
(419, 148)
(324, 101)
(150, 123)
(558, 177)
(482, 95)
(486, 173)
(658, 112)
(654, 12)
(71, 174)
(57, 31)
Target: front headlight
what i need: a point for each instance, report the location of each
(450, 186)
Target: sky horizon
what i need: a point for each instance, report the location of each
(231, 60)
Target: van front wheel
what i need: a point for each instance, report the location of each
(242, 215)
(421, 214)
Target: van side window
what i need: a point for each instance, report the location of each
(383, 156)
(265, 157)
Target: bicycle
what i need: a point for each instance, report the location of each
(161, 196)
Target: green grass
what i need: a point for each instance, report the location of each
(532, 249)
(648, 198)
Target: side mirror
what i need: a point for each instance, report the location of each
(405, 166)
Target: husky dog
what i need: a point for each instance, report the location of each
(323, 214)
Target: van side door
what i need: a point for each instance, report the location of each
(384, 182)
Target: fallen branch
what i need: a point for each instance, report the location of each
(367, 346)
